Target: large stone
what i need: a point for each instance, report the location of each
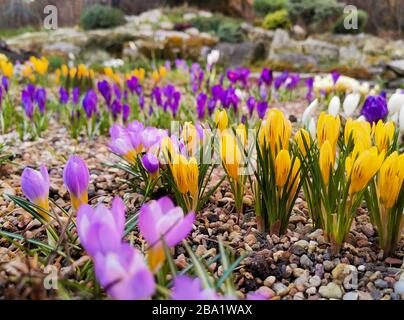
(237, 54)
(321, 50)
(63, 49)
(397, 66)
(350, 55)
(331, 291)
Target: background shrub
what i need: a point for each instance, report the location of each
(278, 19)
(315, 11)
(101, 17)
(230, 32)
(362, 21)
(263, 7)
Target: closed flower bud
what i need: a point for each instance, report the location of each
(302, 139)
(221, 119)
(76, 178)
(282, 168)
(326, 161)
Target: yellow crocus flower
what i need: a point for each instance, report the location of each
(156, 76)
(72, 72)
(384, 133)
(193, 174)
(302, 139)
(65, 70)
(7, 69)
(327, 158)
(231, 155)
(328, 129)
(179, 169)
(389, 183)
(363, 168)
(162, 71)
(241, 133)
(360, 131)
(167, 148)
(108, 71)
(221, 119)
(190, 136)
(283, 164)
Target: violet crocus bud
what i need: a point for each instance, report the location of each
(201, 104)
(374, 108)
(75, 95)
(116, 108)
(125, 112)
(5, 83)
(35, 186)
(63, 96)
(105, 89)
(251, 103)
(90, 103)
(262, 107)
(27, 104)
(151, 164)
(76, 178)
(40, 98)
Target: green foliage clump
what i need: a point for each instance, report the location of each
(314, 11)
(362, 21)
(55, 62)
(226, 28)
(277, 20)
(101, 17)
(263, 7)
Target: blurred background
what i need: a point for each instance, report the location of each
(297, 35)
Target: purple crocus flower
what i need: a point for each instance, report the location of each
(310, 85)
(232, 75)
(151, 163)
(187, 288)
(116, 108)
(156, 96)
(266, 77)
(201, 104)
(292, 81)
(105, 89)
(31, 89)
(335, 76)
(217, 92)
(90, 103)
(279, 80)
(75, 95)
(76, 178)
(63, 96)
(125, 112)
(251, 104)
(35, 186)
(94, 224)
(132, 84)
(124, 274)
(5, 83)
(262, 107)
(141, 102)
(161, 219)
(1, 96)
(117, 91)
(243, 75)
(40, 98)
(27, 103)
(374, 108)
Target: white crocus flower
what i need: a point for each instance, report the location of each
(312, 128)
(334, 106)
(361, 118)
(401, 119)
(309, 112)
(350, 104)
(213, 57)
(396, 102)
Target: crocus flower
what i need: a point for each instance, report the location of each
(334, 106)
(35, 186)
(116, 108)
(187, 288)
(201, 104)
(124, 274)
(350, 104)
(335, 76)
(151, 163)
(161, 219)
(75, 95)
(232, 75)
(76, 178)
(292, 81)
(125, 112)
(101, 230)
(63, 96)
(31, 90)
(279, 80)
(310, 86)
(213, 57)
(90, 103)
(5, 83)
(132, 84)
(374, 108)
(309, 113)
(117, 91)
(40, 98)
(262, 107)
(395, 102)
(27, 103)
(105, 89)
(266, 77)
(251, 104)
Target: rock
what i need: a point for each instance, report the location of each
(340, 271)
(375, 276)
(266, 292)
(399, 287)
(269, 281)
(315, 281)
(296, 219)
(240, 53)
(250, 239)
(298, 296)
(311, 291)
(200, 250)
(63, 49)
(280, 289)
(297, 272)
(305, 261)
(328, 265)
(302, 243)
(368, 230)
(376, 294)
(397, 66)
(322, 51)
(298, 32)
(381, 284)
(364, 295)
(362, 268)
(393, 261)
(352, 295)
(297, 250)
(331, 291)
